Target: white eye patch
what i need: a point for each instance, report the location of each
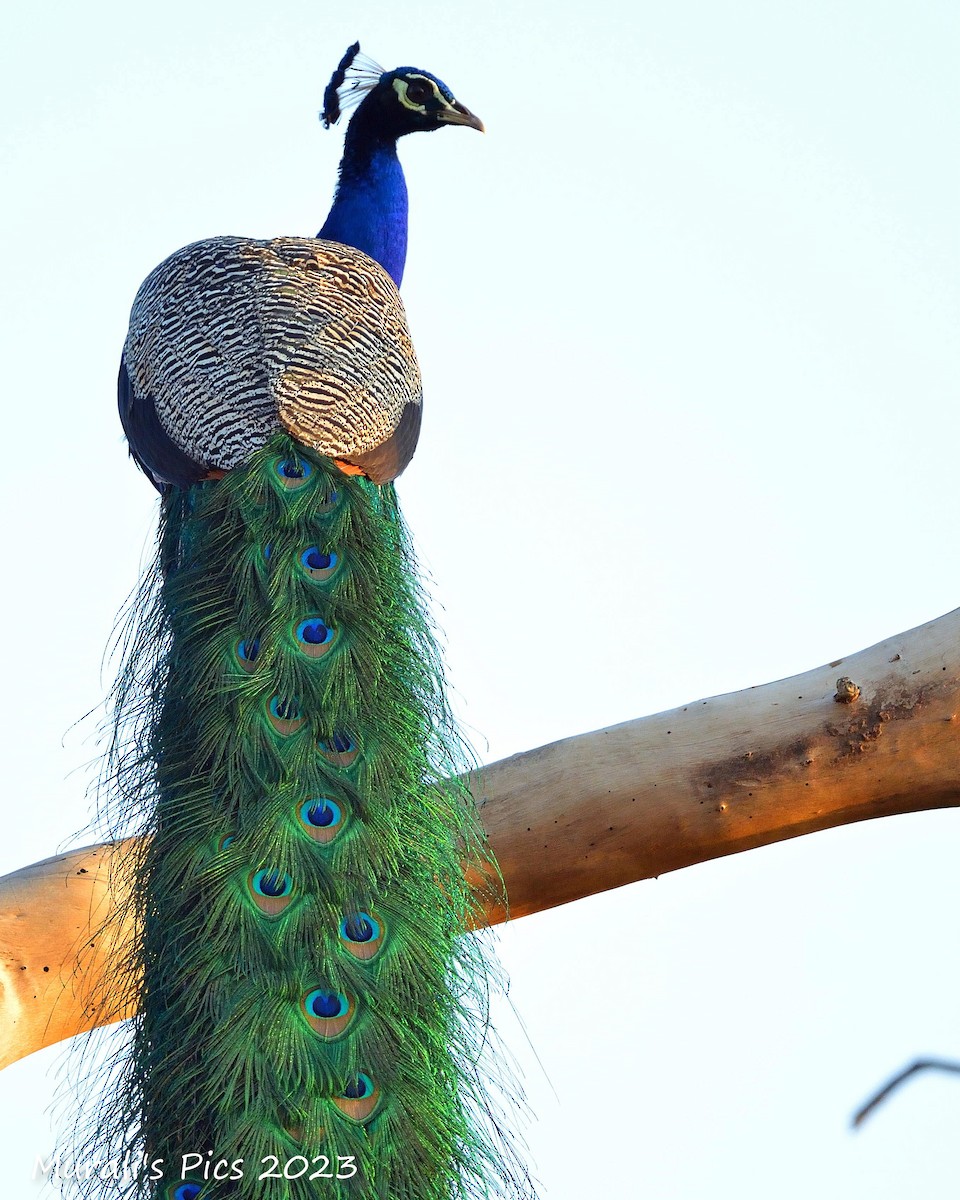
(402, 88)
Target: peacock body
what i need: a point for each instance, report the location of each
(311, 1012)
(293, 333)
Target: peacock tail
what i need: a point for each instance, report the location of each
(312, 1006)
(309, 995)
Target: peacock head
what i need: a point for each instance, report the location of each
(405, 100)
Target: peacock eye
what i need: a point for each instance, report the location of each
(321, 1003)
(328, 1012)
(272, 883)
(271, 891)
(359, 1098)
(360, 928)
(419, 91)
(361, 1085)
(321, 819)
(293, 473)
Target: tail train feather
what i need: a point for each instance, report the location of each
(309, 997)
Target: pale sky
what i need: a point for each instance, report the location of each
(704, 264)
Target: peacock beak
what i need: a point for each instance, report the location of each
(458, 114)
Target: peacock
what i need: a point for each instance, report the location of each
(311, 1012)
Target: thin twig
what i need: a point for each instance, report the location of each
(922, 1064)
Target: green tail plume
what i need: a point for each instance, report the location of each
(310, 1002)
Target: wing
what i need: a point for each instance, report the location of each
(231, 339)
(160, 458)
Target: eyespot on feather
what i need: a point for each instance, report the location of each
(321, 818)
(270, 890)
(318, 564)
(359, 1099)
(340, 749)
(248, 651)
(285, 715)
(188, 1190)
(327, 504)
(314, 637)
(291, 474)
(361, 934)
(328, 1012)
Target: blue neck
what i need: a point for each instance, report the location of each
(370, 206)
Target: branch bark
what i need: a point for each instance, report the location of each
(872, 735)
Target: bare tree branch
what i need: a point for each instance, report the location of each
(922, 1064)
(872, 735)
